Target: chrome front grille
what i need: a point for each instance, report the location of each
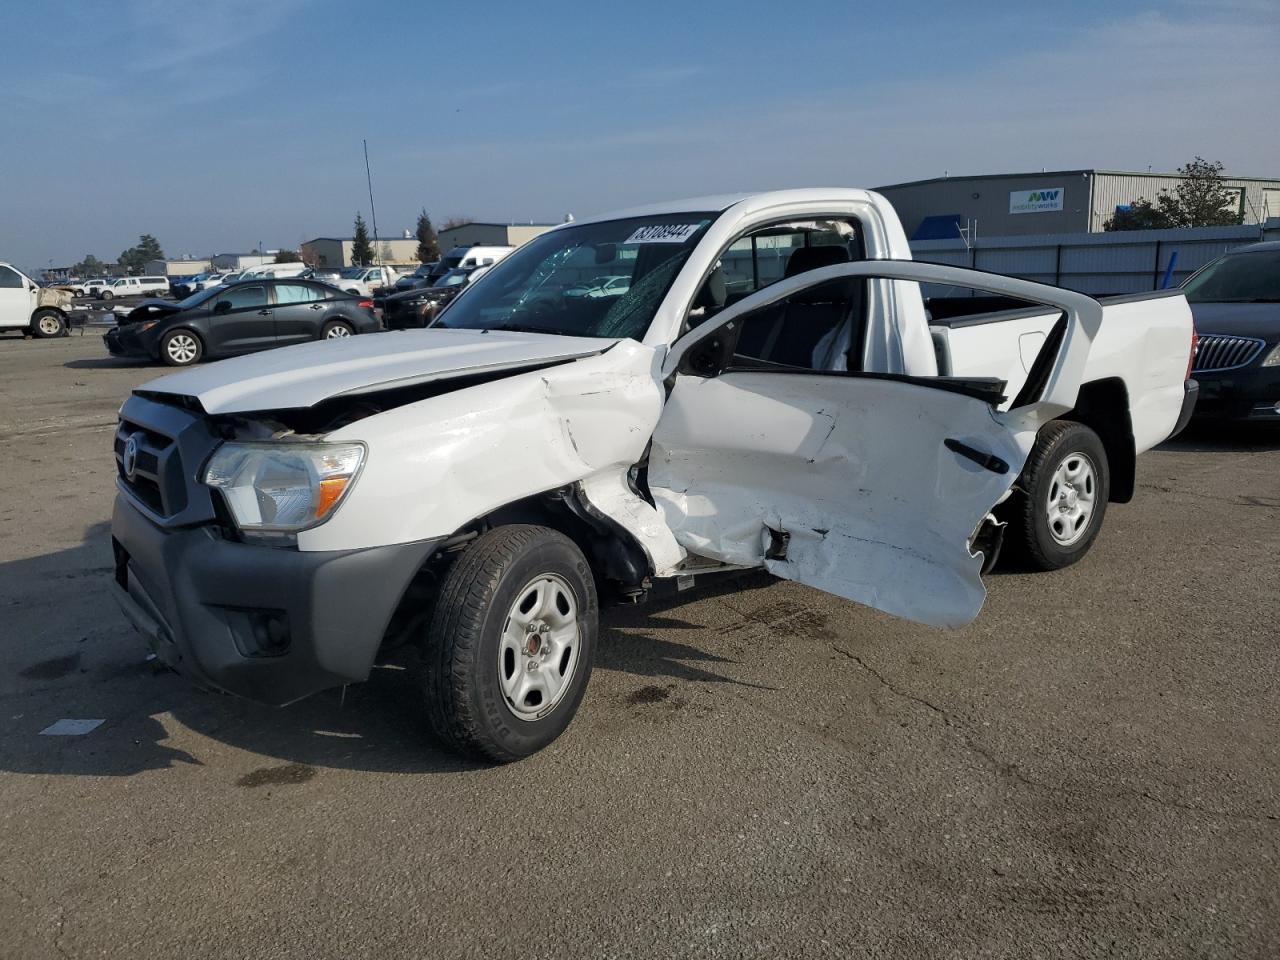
(1216, 352)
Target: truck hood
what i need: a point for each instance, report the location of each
(1238, 319)
(304, 375)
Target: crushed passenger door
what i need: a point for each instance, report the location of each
(868, 486)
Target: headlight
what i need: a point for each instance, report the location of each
(146, 326)
(283, 487)
(1272, 359)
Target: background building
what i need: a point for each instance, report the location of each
(243, 261)
(176, 268)
(336, 251)
(491, 234)
(1062, 201)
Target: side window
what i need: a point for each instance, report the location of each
(10, 279)
(242, 298)
(287, 293)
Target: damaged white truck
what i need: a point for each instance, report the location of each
(768, 392)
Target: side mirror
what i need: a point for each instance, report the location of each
(221, 307)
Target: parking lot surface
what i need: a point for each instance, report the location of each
(1089, 769)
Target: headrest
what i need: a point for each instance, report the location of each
(804, 259)
(714, 292)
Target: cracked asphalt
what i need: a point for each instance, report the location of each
(1090, 769)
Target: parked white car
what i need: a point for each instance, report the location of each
(26, 306)
(362, 281)
(91, 288)
(217, 279)
(479, 487)
(133, 287)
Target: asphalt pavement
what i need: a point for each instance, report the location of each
(1090, 769)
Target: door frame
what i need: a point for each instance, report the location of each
(1060, 383)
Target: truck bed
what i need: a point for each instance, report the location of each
(1144, 343)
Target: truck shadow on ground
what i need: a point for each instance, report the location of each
(72, 655)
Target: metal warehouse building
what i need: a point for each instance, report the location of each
(491, 234)
(1062, 201)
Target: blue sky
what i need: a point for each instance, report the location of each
(216, 125)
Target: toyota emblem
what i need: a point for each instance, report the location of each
(130, 459)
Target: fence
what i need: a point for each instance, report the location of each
(1099, 264)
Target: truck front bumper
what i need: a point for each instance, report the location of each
(270, 624)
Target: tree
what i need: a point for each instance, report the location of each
(90, 266)
(1141, 214)
(287, 256)
(361, 248)
(1199, 200)
(135, 259)
(428, 243)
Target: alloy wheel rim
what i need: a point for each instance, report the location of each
(49, 325)
(337, 332)
(182, 348)
(538, 650)
(1072, 498)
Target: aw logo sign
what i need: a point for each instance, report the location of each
(1044, 200)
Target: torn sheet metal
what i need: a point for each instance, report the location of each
(845, 480)
(439, 463)
(610, 494)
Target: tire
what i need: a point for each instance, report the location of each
(180, 348)
(515, 588)
(106, 295)
(46, 324)
(1068, 464)
(337, 330)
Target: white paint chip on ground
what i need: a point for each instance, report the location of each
(71, 728)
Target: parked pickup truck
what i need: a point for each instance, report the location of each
(362, 281)
(478, 488)
(29, 307)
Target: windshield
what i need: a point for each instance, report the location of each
(1238, 278)
(537, 288)
(352, 273)
(453, 278)
(197, 298)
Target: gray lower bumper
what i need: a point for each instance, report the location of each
(265, 623)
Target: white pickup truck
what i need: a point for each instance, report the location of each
(479, 487)
(362, 281)
(30, 308)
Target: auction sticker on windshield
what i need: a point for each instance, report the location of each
(664, 233)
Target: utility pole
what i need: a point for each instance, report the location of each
(373, 211)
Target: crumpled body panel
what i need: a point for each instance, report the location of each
(843, 483)
(439, 463)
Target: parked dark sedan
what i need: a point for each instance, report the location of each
(239, 318)
(418, 307)
(1236, 304)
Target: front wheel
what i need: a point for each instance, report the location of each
(48, 323)
(106, 295)
(336, 330)
(1065, 485)
(180, 348)
(511, 642)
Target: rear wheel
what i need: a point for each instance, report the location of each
(1065, 484)
(180, 348)
(336, 330)
(48, 323)
(106, 294)
(511, 642)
